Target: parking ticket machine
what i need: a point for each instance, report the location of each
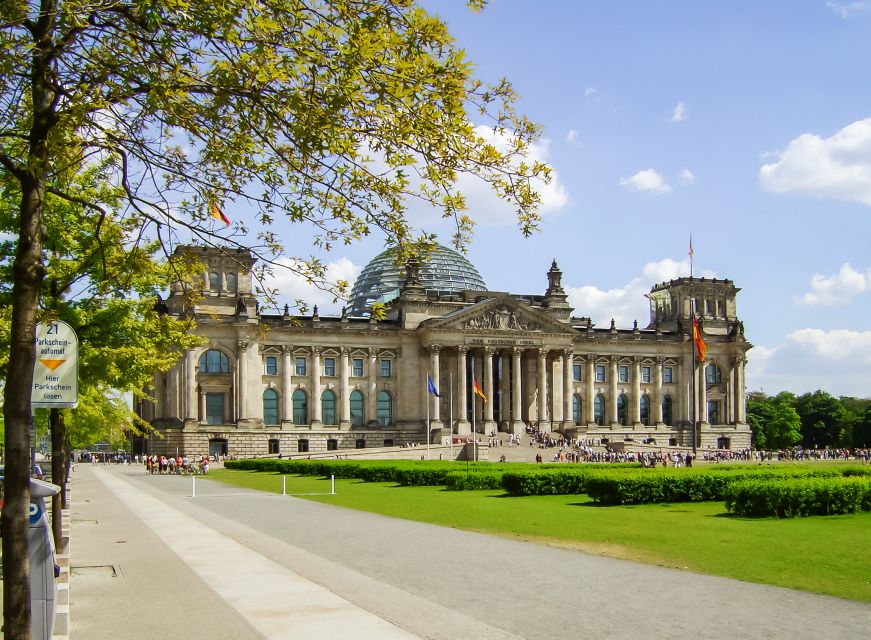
(43, 569)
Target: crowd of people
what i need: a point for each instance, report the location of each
(180, 465)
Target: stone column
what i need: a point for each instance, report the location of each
(728, 416)
(435, 403)
(612, 401)
(635, 416)
(315, 400)
(590, 405)
(740, 399)
(344, 391)
(542, 390)
(568, 422)
(242, 383)
(190, 387)
(286, 393)
(702, 386)
(489, 424)
(657, 394)
(372, 395)
(464, 427)
(517, 425)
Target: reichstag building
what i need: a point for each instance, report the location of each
(278, 383)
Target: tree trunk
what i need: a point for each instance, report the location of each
(27, 277)
(58, 467)
(27, 274)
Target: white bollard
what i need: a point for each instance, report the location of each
(193, 486)
(284, 485)
(332, 485)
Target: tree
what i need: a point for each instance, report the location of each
(774, 421)
(333, 113)
(824, 421)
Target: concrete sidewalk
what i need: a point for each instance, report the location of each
(142, 569)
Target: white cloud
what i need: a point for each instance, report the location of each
(571, 136)
(680, 112)
(840, 288)
(835, 361)
(589, 91)
(291, 286)
(844, 9)
(837, 167)
(646, 180)
(627, 303)
(686, 176)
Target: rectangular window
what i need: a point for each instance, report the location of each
(576, 372)
(600, 373)
(623, 373)
(215, 408)
(300, 366)
(329, 366)
(360, 444)
(273, 445)
(385, 368)
(302, 446)
(357, 367)
(332, 444)
(271, 365)
(645, 374)
(667, 377)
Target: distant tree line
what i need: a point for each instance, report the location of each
(815, 420)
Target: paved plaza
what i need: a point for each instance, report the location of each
(150, 561)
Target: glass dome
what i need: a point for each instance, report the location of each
(444, 270)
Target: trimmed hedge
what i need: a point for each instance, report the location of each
(799, 497)
(461, 481)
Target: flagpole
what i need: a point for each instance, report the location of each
(451, 418)
(474, 429)
(428, 426)
(693, 350)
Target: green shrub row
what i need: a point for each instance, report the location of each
(462, 481)
(403, 472)
(801, 497)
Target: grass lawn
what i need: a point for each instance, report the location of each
(820, 554)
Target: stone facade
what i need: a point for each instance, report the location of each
(265, 384)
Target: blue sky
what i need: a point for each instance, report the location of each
(745, 124)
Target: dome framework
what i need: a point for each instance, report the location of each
(443, 270)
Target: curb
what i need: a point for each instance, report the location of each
(62, 603)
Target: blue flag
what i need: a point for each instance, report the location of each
(430, 386)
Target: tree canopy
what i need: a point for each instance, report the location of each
(333, 113)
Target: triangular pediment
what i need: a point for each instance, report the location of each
(500, 314)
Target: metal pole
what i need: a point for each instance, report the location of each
(474, 428)
(332, 485)
(451, 419)
(284, 485)
(193, 486)
(428, 424)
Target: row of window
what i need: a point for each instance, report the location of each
(215, 361)
(712, 374)
(230, 282)
(599, 413)
(329, 416)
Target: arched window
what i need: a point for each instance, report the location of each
(385, 408)
(356, 408)
(576, 409)
(214, 281)
(328, 407)
(214, 361)
(300, 407)
(622, 409)
(666, 409)
(644, 410)
(231, 282)
(712, 374)
(599, 409)
(270, 407)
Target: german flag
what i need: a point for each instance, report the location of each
(697, 338)
(217, 214)
(477, 389)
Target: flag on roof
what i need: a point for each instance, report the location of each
(697, 338)
(217, 214)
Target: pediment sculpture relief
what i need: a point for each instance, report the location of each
(501, 319)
